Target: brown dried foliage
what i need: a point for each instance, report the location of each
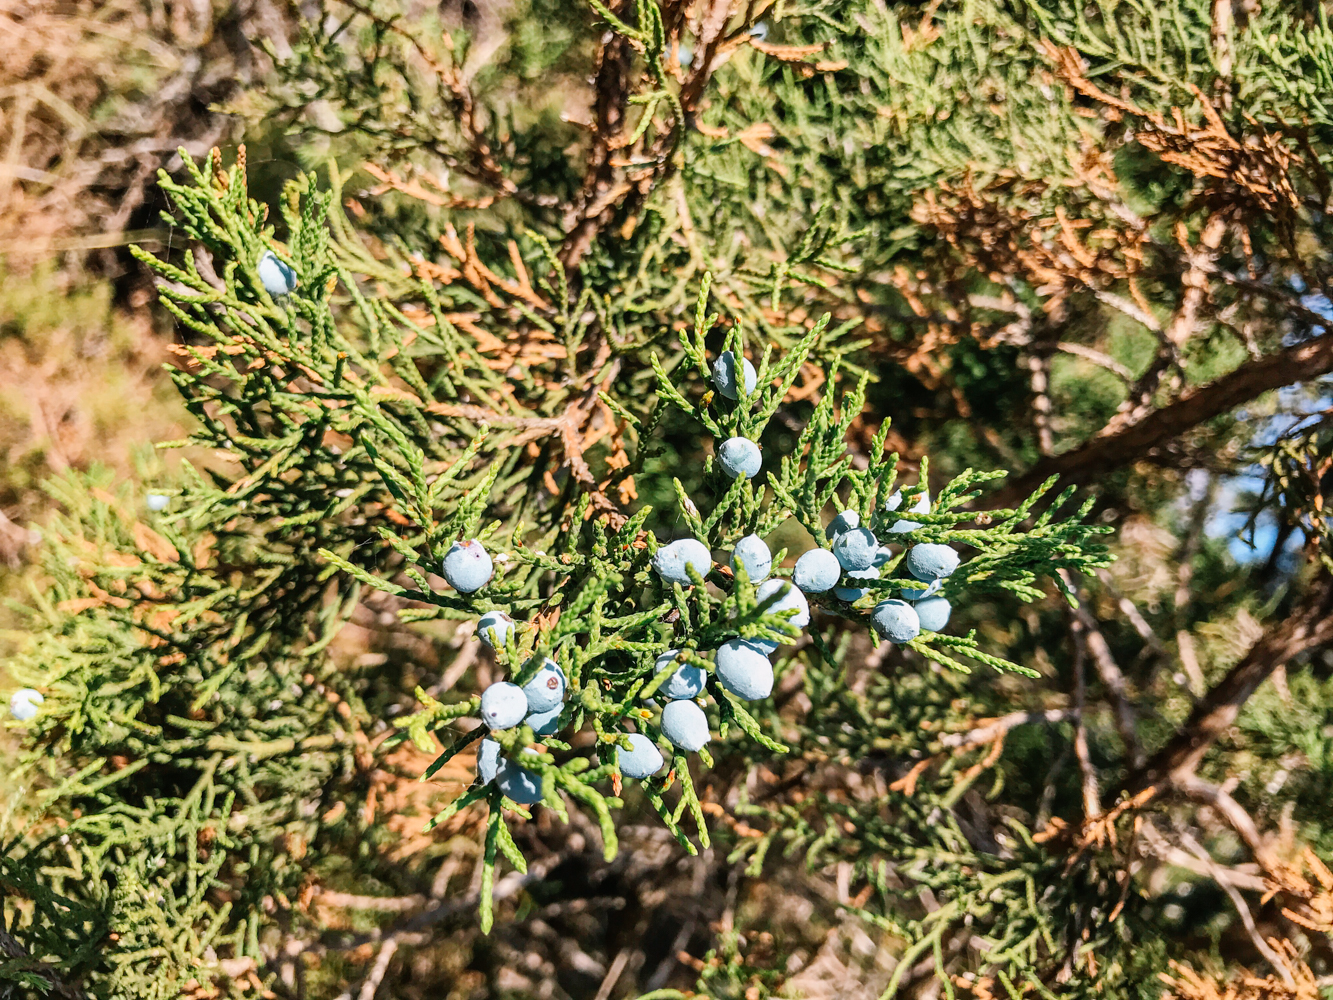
(1255, 170)
(1296, 981)
(1307, 886)
(404, 803)
(1057, 254)
(95, 96)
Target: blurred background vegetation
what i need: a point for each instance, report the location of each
(1079, 239)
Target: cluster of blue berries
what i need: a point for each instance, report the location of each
(855, 554)
(742, 665)
(468, 567)
(504, 705)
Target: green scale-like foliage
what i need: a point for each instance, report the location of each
(185, 664)
(203, 755)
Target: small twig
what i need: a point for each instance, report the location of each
(461, 664)
(1039, 367)
(1049, 789)
(1097, 358)
(1190, 661)
(440, 885)
(1233, 812)
(1131, 310)
(1133, 614)
(1087, 632)
(1242, 908)
(1127, 871)
(381, 967)
(1114, 680)
(613, 974)
(1162, 849)
(382, 904)
(989, 732)
(1092, 807)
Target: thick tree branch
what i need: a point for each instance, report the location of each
(602, 185)
(620, 176)
(1116, 448)
(1310, 624)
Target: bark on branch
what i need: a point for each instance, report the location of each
(1119, 447)
(1309, 625)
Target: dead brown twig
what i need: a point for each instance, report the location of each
(1057, 254)
(1258, 169)
(1297, 981)
(478, 160)
(622, 169)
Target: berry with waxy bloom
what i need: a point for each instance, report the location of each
(933, 613)
(671, 560)
(546, 690)
(922, 506)
(518, 783)
(545, 723)
(643, 760)
(488, 760)
(744, 670)
(724, 370)
(845, 521)
(791, 599)
(503, 705)
(915, 590)
(467, 566)
(931, 561)
(277, 276)
(687, 682)
(753, 554)
(896, 621)
(685, 725)
(817, 571)
(494, 628)
(157, 502)
(853, 594)
(856, 549)
(23, 704)
(738, 457)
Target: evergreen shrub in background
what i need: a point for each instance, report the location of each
(472, 408)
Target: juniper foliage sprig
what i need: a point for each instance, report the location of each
(607, 617)
(437, 373)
